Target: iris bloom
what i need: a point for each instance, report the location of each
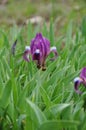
(39, 49)
(80, 80)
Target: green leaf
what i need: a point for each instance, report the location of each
(4, 100)
(55, 109)
(58, 125)
(83, 27)
(69, 35)
(45, 31)
(35, 115)
(45, 97)
(6, 66)
(30, 32)
(51, 33)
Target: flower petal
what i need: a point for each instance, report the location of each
(83, 74)
(54, 50)
(36, 55)
(26, 53)
(41, 43)
(77, 82)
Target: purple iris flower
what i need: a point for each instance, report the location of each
(80, 80)
(39, 49)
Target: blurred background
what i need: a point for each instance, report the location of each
(37, 11)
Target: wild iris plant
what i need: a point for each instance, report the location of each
(80, 80)
(39, 49)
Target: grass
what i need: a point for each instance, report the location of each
(31, 99)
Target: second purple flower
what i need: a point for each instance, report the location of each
(80, 80)
(39, 49)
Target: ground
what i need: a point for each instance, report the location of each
(61, 11)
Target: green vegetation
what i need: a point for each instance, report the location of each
(32, 99)
(42, 100)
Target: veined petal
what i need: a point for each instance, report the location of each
(26, 53)
(54, 50)
(77, 82)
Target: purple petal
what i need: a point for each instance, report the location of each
(36, 55)
(83, 74)
(26, 53)
(54, 50)
(41, 43)
(77, 82)
(38, 36)
(40, 49)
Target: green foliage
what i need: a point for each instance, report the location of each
(49, 125)
(32, 99)
(83, 27)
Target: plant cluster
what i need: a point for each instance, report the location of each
(32, 99)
